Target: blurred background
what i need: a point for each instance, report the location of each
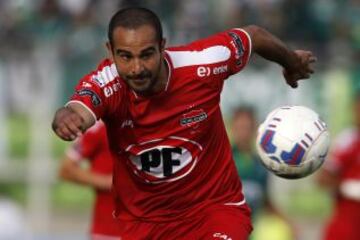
(46, 46)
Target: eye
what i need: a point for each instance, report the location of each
(147, 55)
(125, 57)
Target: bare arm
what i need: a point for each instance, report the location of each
(71, 171)
(71, 121)
(327, 179)
(296, 64)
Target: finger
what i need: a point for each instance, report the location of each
(68, 129)
(77, 121)
(305, 76)
(67, 133)
(73, 127)
(312, 59)
(63, 134)
(292, 82)
(310, 70)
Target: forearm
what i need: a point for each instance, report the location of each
(270, 47)
(70, 171)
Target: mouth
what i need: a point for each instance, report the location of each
(139, 81)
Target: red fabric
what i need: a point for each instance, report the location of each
(216, 222)
(93, 147)
(345, 162)
(173, 156)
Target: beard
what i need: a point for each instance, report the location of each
(144, 82)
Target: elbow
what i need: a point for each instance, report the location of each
(256, 34)
(326, 180)
(252, 29)
(63, 173)
(66, 170)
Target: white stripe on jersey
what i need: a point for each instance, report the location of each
(214, 54)
(83, 104)
(236, 203)
(106, 75)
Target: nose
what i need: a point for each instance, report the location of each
(137, 66)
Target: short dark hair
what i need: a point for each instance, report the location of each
(244, 109)
(132, 18)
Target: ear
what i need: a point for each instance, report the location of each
(162, 47)
(110, 51)
(162, 44)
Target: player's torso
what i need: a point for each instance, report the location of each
(171, 150)
(352, 166)
(101, 161)
(347, 204)
(164, 135)
(174, 146)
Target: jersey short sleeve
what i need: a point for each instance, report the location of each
(215, 58)
(340, 155)
(231, 47)
(238, 42)
(100, 91)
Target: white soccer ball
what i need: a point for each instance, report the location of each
(292, 141)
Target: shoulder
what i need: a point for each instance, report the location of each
(224, 52)
(187, 56)
(346, 139)
(105, 73)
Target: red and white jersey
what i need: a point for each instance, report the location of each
(93, 147)
(344, 161)
(344, 157)
(173, 156)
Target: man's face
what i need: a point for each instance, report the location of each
(243, 129)
(138, 56)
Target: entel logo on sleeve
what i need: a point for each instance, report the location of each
(207, 71)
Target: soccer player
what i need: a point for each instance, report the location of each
(341, 174)
(254, 178)
(93, 147)
(161, 109)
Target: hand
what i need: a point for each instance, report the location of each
(300, 69)
(67, 124)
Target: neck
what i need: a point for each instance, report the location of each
(244, 148)
(161, 81)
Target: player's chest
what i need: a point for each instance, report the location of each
(163, 137)
(185, 110)
(352, 169)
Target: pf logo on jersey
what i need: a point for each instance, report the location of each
(164, 160)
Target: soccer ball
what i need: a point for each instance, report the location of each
(293, 141)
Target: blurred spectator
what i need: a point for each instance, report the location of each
(341, 174)
(93, 147)
(46, 44)
(80, 48)
(255, 179)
